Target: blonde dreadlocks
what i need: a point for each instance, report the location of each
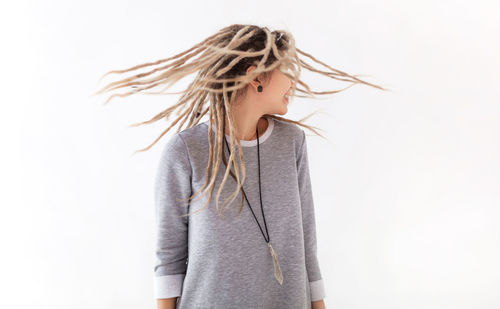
(221, 80)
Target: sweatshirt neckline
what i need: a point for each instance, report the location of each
(252, 143)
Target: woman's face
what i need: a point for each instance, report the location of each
(272, 99)
(274, 92)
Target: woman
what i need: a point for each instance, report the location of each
(243, 258)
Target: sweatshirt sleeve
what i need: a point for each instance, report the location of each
(172, 182)
(309, 224)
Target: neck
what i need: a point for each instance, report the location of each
(245, 125)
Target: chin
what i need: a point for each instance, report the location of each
(283, 111)
(280, 109)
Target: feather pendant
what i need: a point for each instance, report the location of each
(277, 269)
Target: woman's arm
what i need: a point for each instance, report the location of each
(318, 304)
(173, 182)
(167, 303)
(316, 283)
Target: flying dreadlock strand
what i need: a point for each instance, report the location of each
(232, 157)
(212, 157)
(240, 153)
(209, 40)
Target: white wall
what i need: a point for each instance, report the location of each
(406, 190)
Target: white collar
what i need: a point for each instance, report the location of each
(253, 142)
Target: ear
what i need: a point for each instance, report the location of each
(254, 83)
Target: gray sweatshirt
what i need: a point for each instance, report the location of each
(212, 262)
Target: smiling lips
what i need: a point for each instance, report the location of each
(285, 98)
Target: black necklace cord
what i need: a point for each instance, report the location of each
(260, 189)
(260, 193)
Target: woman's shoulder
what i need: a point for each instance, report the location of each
(179, 141)
(289, 131)
(194, 134)
(195, 138)
(288, 127)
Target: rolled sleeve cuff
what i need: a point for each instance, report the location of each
(317, 290)
(168, 286)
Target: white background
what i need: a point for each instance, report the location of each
(406, 187)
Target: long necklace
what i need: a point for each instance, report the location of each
(277, 269)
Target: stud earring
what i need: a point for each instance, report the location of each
(259, 88)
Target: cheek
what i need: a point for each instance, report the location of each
(274, 93)
(277, 95)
